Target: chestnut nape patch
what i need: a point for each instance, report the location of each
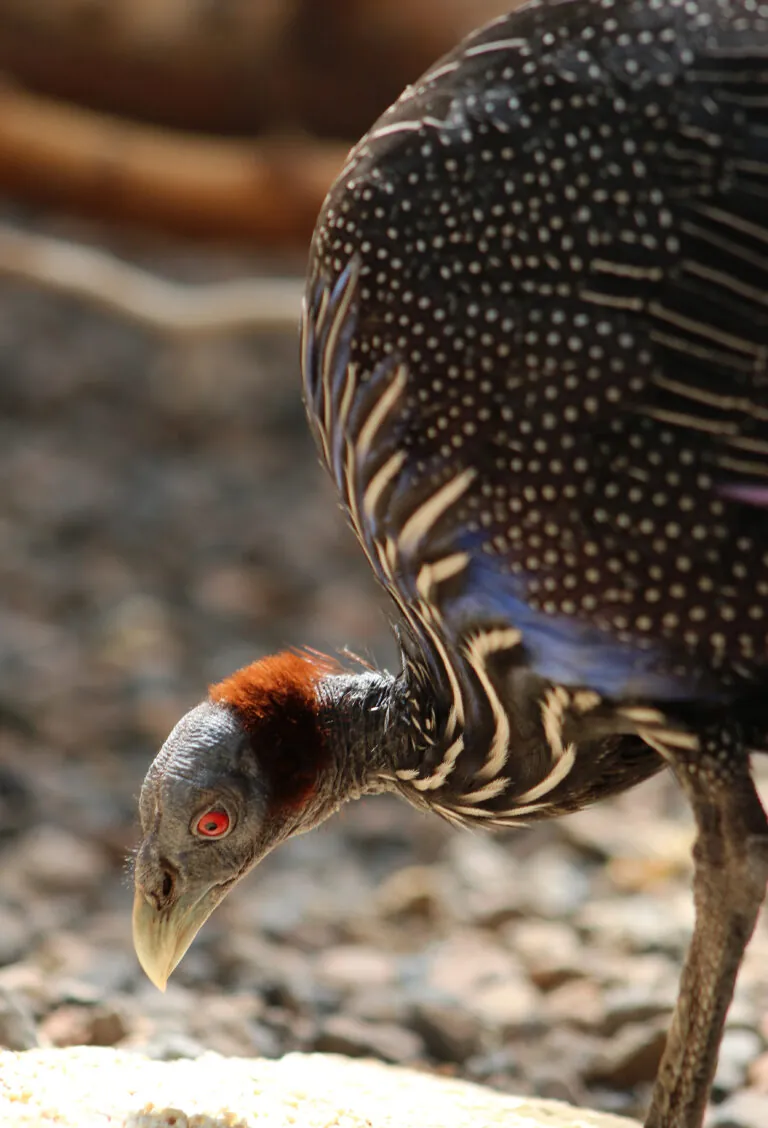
(276, 701)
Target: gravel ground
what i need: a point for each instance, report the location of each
(163, 519)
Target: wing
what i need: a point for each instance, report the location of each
(360, 425)
(538, 374)
(464, 625)
(708, 321)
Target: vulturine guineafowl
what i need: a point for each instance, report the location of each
(535, 358)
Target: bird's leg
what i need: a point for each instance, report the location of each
(730, 875)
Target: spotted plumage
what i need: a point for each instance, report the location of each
(534, 349)
(534, 354)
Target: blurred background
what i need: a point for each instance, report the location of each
(164, 519)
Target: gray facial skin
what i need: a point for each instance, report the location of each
(180, 876)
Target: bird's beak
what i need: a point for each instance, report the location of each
(161, 938)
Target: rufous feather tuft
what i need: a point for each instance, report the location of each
(276, 701)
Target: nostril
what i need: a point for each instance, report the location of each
(167, 886)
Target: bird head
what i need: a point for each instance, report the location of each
(239, 773)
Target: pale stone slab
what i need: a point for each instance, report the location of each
(90, 1087)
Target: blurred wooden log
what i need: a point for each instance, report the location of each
(210, 67)
(264, 192)
(233, 66)
(276, 67)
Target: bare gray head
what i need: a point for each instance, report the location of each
(203, 806)
(275, 750)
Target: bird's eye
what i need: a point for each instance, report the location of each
(213, 824)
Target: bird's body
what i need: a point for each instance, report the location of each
(535, 358)
(557, 305)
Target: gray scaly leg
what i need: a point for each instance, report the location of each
(730, 876)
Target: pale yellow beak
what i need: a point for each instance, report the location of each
(161, 938)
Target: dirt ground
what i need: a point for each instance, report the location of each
(163, 520)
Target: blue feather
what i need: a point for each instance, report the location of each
(564, 650)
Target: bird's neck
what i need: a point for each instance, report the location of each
(318, 736)
(363, 719)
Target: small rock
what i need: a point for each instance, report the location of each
(412, 894)
(380, 1004)
(353, 966)
(67, 1026)
(286, 975)
(136, 634)
(15, 935)
(464, 963)
(177, 1004)
(488, 889)
(230, 589)
(745, 1009)
(758, 1073)
(263, 1041)
(17, 1022)
(548, 949)
(640, 922)
(51, 860)
(560, 1061)
(17, 802)
(636, 875)
(554, 1083)
(620, 1102)
(110, 971)
(643, 972)
(495, 890)
(341, 1034)
(295, 905)
(497, 1067)
(738, 1049)
(172, 1045)
(73, 990)
(578, 1002)
(747, 1109)
(108, 1027)
(450, 1033)
(65, 954)
(637, 1002)
(478, 976)
(631, 1057)
(621, 837)
(556, 1067)
(295, 1031)
(554, 885)
(507, 1007)
(28, 980)
(73, 1025)
(226, 1023)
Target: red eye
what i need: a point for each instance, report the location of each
(213, 824)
